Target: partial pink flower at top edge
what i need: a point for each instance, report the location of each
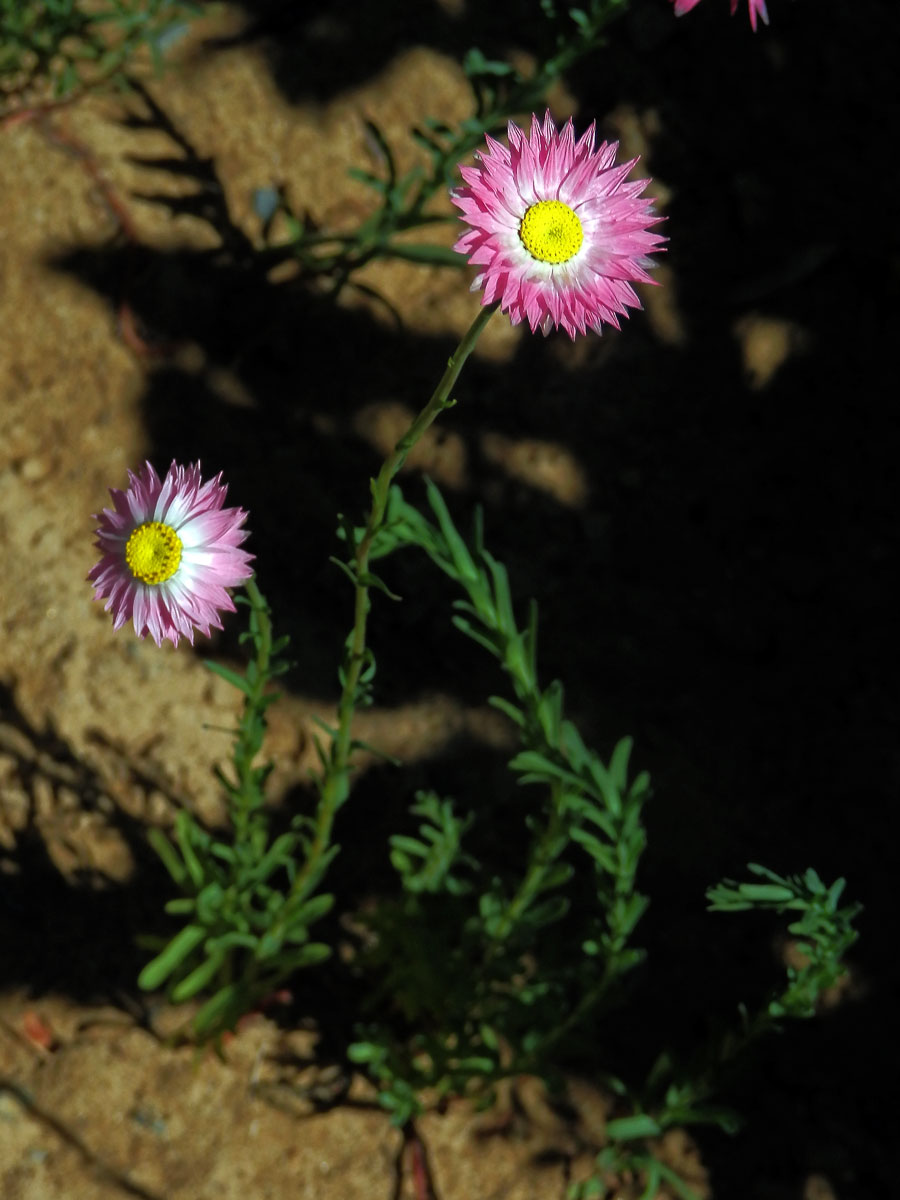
(757, 8)
(170, 549)
(557, 232)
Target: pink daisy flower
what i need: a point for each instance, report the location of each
(757, 9)
(557, 232)
(169, 552)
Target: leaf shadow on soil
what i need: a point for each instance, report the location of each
(314, 55)
(722, 594)
(71, 931)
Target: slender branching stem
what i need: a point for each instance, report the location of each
(335, 782)
(247, 746)
(544, 854)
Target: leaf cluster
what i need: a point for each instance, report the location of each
(591, 803)
(247, 924)
(679, 1094)
(74, 45)
(492, 964)
(482, 965)
(480, 992)
(824, 931)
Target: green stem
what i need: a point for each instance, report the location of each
(545, 853)
(252, 725)
(335, 784)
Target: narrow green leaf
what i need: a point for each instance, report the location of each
(766, 893)
(545, 913)
(483, 640)
(677, 1184)
(199, 978)
(505, 616)
(625, 1129)
(724, 1118)
(312, 910)
(370, 180)
(185, 831)
(532, 762)
(600, 852)
(228, 675)
(477, 1064)
(166, 852)
(308, 955)
(278, 855)
(459, 552)
(813, 882)
(422, 252)
(618, 763)
(347, 570)
(515, 714)
(605, 785)
(371, 580)
(549, 711)
(364, 1052)
(382, 146)
(653, 1176)
(489, 1037)
(758, 869)
(834, 894)
(400, 841)
(161, 967)
(555, 876)
(233, 940)
(588, 810)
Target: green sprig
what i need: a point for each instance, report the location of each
(245, 932)
(75, 46)
(500, 91)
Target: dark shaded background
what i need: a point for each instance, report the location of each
(724, 595)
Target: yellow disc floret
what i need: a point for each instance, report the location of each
(551, 231)
(153, 552)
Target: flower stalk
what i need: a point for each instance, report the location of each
(334, 784)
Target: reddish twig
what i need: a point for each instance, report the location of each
(423, 1184)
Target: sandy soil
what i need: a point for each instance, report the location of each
(704, 507)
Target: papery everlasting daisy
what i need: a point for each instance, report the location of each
(170, 550)
(557, 231)
(757, 9)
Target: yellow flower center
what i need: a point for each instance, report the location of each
(153, 552)
(551, 232)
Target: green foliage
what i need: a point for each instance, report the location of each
(825, 931)
(427, 865)
(73, 45)
(617, 1161)
(248, 923)
(493, 965)
(478, 967)
(467, 955)
(403, 200)
(590, 803)
(682, 1091)
(678, 1094)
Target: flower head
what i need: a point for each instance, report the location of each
(557, 232)
(169, 552)
(757, 8)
